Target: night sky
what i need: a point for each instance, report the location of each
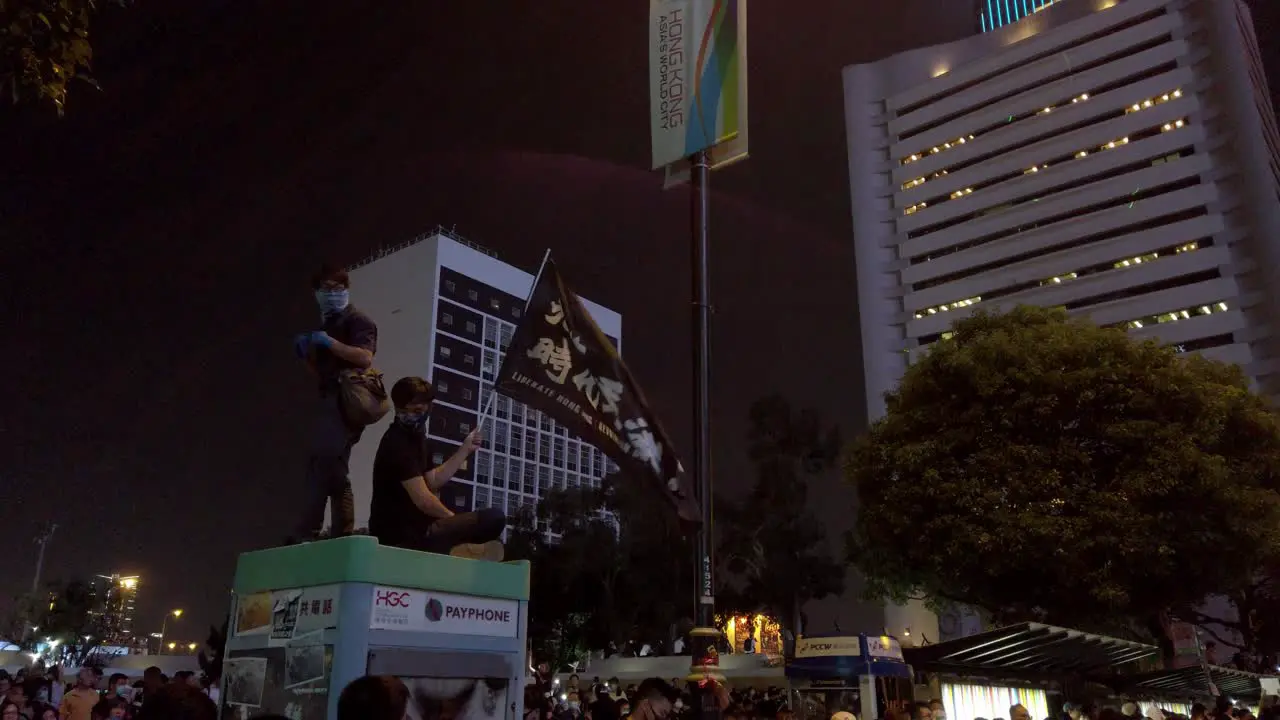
(155, 244)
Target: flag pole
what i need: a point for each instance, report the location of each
(704, 637)
(486, 413)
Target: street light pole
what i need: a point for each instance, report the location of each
(165, 625)
(704, 671)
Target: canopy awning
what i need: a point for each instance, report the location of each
(1192, 680)
(1028, 648)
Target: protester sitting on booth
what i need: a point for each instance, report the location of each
(406, 510)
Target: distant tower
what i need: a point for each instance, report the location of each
(116, 597)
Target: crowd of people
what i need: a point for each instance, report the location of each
(545, 699)
(44, 695)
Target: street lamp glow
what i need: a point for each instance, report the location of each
(173, 645)
(129, 583)
(177, 613)
(192, 647)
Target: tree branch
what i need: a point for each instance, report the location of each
(1219, 638)
(1198, 618)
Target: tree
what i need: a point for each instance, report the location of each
(44, 47)
(1040, 467)
(211, 655)
(610, 568)
(74, 619)
(770, 541)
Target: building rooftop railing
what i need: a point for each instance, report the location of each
(450, 233)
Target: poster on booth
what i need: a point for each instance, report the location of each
(423, 611)
(285, 614)
(431, 698)
(292, 681)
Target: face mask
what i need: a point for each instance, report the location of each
(122, 689)
(574, 705)
(332, 302)
(412, 419)
(43, 696)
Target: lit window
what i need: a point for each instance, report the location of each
(445, 351)
(446, 319)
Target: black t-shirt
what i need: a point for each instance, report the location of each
(393, 518)
(349, 327)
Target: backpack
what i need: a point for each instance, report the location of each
(362, 396)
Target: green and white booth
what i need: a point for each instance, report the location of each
(308, 619)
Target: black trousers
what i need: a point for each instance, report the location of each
(480, 526)
(327, 480)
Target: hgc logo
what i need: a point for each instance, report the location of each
(391, 598)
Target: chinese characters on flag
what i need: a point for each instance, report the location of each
(560, 362)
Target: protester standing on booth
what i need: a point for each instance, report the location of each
(346, 340)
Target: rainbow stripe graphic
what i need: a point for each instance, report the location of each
(714, 115)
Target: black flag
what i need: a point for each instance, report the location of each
(562, 364)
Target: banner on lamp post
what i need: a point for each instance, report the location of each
(697, 83)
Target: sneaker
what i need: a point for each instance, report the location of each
(491, 551)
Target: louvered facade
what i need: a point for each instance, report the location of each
(1118, 158)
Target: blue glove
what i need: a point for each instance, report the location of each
(302, 345)
(320, 338)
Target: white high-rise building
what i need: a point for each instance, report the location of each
(446, 309)
(1118, 158)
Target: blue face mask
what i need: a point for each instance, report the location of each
(332, 302)
(412, 419)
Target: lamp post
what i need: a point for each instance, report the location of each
(177, 613)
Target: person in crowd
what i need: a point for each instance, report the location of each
(936, 709)
(110, 708)
(40, 690)
(18, 696)
(374, 697)
(9, 711)
(347, 340)
(56, 687)
(1019, 712)
(406, 510)
(77, 703)
(49, 712)
(177, 701)
(118, 687)
(5, 683)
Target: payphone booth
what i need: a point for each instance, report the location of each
(834, 674)
(308, 619)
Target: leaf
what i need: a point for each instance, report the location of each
(44, 19)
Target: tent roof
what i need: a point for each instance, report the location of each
(1192, 681)
(1028, 647)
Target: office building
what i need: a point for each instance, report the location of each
(1118, 158)
(446, 309)
(115, 597)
